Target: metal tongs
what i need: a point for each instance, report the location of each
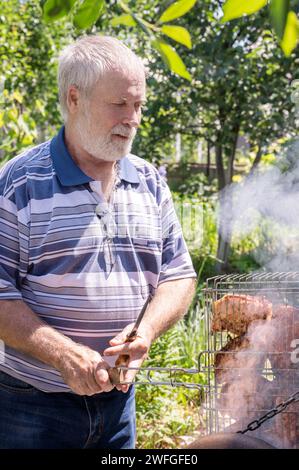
(116, 375)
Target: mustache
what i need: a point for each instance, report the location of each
(122, 130)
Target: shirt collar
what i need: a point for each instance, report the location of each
(69, 174)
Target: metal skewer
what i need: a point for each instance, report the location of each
(116, 373)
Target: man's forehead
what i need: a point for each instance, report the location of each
(123, 83)
(124, 78)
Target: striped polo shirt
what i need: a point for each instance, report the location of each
(84, 266)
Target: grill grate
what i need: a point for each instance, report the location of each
(250, 321)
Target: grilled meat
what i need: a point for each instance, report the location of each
(235, 312)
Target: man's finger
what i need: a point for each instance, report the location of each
(129, 375)
(102, 379)
(94, 385)
(121, 349)
(118, 339)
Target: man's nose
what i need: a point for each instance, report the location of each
(132, 118)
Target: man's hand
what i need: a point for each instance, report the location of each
(85, 371)
(136, 350)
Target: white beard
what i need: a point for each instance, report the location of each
(102, 146)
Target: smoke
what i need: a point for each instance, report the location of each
(254, 372)
(267, 202)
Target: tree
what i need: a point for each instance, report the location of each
(28, 50)
(283, 15)
(84, 14)
(240, 86)
(240, 79)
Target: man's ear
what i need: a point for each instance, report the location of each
(73, 97)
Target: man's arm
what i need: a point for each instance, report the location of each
(83, 369)
(169, 304)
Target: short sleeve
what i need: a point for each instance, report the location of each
(176, 260)
(12, 239)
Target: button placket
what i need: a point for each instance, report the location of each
(104, 212)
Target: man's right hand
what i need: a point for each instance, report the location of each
(85, 371)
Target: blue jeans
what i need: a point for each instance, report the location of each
(31, 419)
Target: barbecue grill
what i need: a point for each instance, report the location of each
(251, 361)
(251, 324)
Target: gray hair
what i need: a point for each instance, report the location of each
(84, 62)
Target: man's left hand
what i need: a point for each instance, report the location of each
(137, 350)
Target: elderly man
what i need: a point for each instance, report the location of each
(88, 232)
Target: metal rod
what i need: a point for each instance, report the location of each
(172, 373)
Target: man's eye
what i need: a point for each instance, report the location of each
(119, 104)
(141, 106)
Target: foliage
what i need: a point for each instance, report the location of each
(283, 18)
(28, 49)
(193, 183)
(236, 8)
(200, 236)
(85, 14)
(204, 254)
(17, 127)
(253, 101)
(241, 86)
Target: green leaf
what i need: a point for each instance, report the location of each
(172, 59)
(291, 34)
(236, 8)
(279, 11)
(13, 114)
(124, 19)
(176, 10)
(56, 9)
(178, 33)
(88, 13)
(17, 96)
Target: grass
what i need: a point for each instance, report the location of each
(165, 414)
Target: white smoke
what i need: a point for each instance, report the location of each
(266, 203)
(268, 200)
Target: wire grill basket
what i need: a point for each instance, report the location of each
(251, 328)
